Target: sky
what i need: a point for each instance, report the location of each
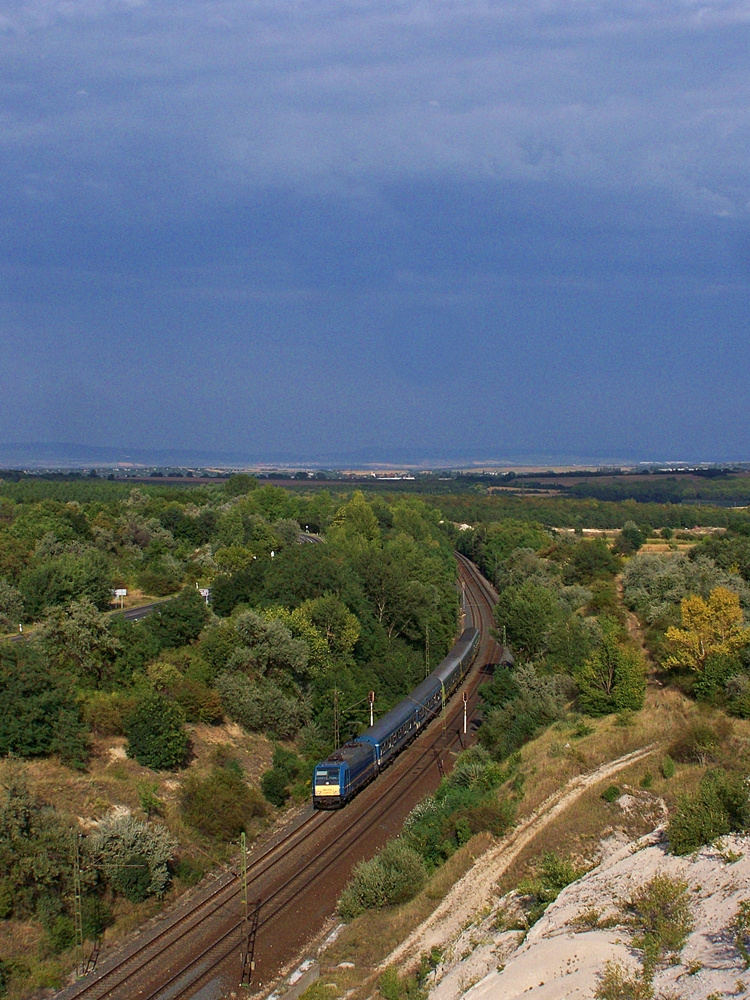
(427, 230)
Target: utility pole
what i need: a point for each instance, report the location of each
(78, 905)
(249, 925)
(427, 649)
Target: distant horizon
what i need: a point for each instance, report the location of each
(73, 455)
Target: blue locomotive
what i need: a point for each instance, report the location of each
(340, 776)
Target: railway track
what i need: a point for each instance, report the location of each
(293, 880)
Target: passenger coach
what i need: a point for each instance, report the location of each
(340, 776)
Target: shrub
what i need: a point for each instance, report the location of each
(36, 855)
(105, 712)
(660, 916)
(719, 806)
(60, 935)
(39, 712)
(611, 794)
(151, 804)
(617, 983)
(711, 682)
(156, 733)
(553, 873)
(132, 856)
(220, 804)
(261, 706)
(741, 929)
(189, 871)
(393, 876)
(276, 783)
(494, 816)
(96, 917)
(199, 702)
(700, 742)
(391, 986)
(667, 767)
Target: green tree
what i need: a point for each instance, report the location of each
(276, 783)
(589, 560)
(39, 714)
(355, 524)
(156, 733)
(11, 606)
(64, 578)
(612, 679)
(240, 483)
(337, 624)
(79, 639)
(630, 539)
(179, 621)
(530, 615)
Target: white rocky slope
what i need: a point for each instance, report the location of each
(560, 958)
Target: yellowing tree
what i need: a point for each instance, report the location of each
(713, 626)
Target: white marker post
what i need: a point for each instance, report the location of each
(465, 700)
(371, 699)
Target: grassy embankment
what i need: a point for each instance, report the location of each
(548, 763)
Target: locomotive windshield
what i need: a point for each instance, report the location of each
(327, 776)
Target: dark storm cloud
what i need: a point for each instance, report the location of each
(348, 222)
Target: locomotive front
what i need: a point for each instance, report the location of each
(329, 784)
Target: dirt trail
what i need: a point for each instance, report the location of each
(632, 624)
(475, 890)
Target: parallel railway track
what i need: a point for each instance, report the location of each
(303, 871)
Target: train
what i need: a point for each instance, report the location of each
(347, 770)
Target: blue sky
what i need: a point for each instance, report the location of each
(446, 229)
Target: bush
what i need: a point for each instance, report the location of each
(720, 806)
(618, 983)
(276, 783)
(393, 876)
(60, 935)
(220, 804)
(552, 874)
(667, 767)
(711, 682)
(741, 928)
(660, 915)
(96, 917)
(156, 733)
(39, 712)
(105, 712)
(611, 794)
(36, 855)
(131, 855)
(199, 702)
(391, 986)
(261, 706)
(700, 742)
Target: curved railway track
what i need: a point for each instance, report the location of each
(294, 879)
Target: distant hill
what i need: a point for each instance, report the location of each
(60, 455)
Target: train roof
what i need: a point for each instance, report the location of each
(400, 713)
